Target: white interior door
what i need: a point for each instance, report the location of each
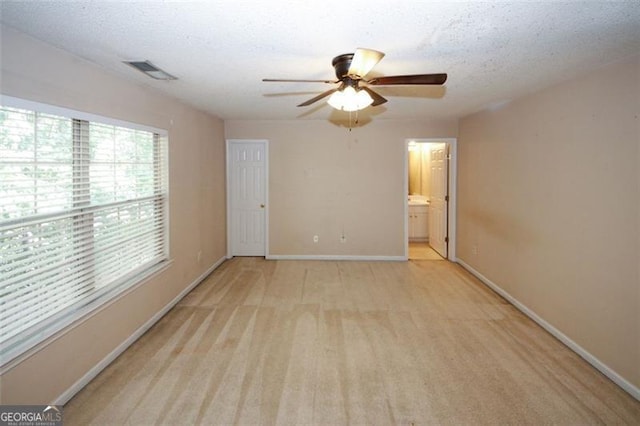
(438, 199)
(247, 186)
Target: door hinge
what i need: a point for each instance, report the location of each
(446, 198)
(446, 239)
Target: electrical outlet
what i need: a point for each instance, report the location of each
(474, 250)
(343, 238)
(199, 256)
(315, 239)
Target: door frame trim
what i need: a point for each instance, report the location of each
(451, 206)
(228, 142)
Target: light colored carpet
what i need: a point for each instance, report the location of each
(315, 342)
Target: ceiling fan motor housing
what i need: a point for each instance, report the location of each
(342, 63)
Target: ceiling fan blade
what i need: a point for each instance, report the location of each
(409, 79)
(377, 99)
(320, 96)
(363, 61)
(278, 80)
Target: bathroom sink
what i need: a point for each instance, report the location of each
(418, 203)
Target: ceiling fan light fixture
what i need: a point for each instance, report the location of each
(350, 99)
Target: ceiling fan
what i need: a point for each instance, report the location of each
(354, 92)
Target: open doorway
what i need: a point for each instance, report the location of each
(430, 176)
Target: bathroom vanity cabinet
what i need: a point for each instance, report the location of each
(418, 222)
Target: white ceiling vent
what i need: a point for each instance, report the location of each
(151, 70)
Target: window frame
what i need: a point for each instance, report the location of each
(60, 323)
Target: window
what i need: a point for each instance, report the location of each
(83, 216)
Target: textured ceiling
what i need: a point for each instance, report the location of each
(220, 50)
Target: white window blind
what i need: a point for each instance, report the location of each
(83, 216)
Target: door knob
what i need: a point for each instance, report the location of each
(262, 206)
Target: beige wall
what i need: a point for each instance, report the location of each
(415, 175)
(425, 174)
(34, 71)
(420, 170)
(325, 179)
(549, 196)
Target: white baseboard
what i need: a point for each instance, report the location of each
(633, 390)
(333, 257)
(91, 374)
